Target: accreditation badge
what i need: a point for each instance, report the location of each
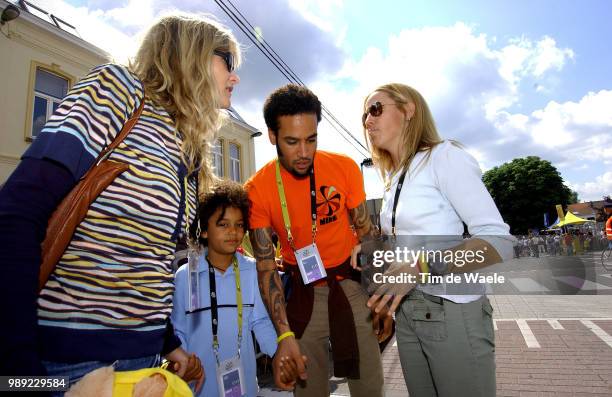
(193, 280)
(230, 378)
(310, 264)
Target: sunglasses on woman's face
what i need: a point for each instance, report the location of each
(375, 110)
(228, 57)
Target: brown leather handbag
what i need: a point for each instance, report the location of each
(73, 208)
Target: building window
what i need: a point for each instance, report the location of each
(234, 155)
(217, 152)
(49, 90)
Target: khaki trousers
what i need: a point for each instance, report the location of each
(446, 348)
(314, 344)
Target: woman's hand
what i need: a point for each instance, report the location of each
(187, 366)
(396, 291)
(386, 316)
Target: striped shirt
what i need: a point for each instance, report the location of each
(116, 273)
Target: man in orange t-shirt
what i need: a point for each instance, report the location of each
(327, 187)
(339, 187)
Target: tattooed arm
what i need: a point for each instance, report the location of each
(361, 221)
(273, 296)
(270, 285)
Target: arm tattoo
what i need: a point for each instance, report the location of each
(261, 240)
(273, 297)
(362, 223)
(270, 285)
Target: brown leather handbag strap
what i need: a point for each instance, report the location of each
(73, 208)
(127, 127)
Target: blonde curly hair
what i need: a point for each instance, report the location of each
(174, 62)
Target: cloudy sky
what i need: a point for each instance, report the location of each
(507, 79)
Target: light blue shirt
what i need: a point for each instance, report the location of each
(195, 329)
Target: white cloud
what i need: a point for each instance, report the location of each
(591, 191)
(549, 124)
(96, 25)
(474, 85)
(473, 82)
(584, 125)
(469, 81)
(136, 13)
(322, 13)
(548, 56)
(522, 57)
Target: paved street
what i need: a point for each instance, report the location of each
(552, 275)
(547, 345)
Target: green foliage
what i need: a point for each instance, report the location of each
(526, 188)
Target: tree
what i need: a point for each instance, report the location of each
(526, 188)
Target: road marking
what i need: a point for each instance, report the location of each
(603, 335)
(557, 318)
(555, 324)
(526, 284)
(528, 335)
(584, 285)
(606, 275)
(495, 325)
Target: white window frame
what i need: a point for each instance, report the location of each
(235, 164)
(32, 94)
(219, 143)
(49, 111)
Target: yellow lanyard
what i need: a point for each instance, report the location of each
(284, 209)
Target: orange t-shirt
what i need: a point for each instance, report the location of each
(339, 186)
(609, 228)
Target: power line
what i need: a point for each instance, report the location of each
(277, 61)
(293, 74)
(266, 49)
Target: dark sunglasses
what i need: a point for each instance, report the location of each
(375, 109)
(228, 57)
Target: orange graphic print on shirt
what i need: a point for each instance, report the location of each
(326, 209)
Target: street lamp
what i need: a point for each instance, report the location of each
(9, 13)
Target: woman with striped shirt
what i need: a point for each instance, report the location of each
(109, 299)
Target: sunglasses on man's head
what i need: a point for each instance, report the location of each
(228, 57)
(375, 109)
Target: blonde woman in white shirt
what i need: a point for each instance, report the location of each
(444, 335)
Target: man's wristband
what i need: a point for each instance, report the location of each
(285, 335)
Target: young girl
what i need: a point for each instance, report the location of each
(217, 302)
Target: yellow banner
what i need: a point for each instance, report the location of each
(560, 212)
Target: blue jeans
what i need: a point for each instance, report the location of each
(75, 371)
